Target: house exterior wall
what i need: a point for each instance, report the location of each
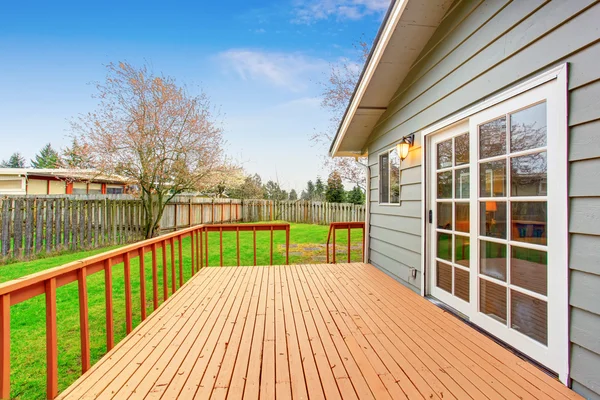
(479, 49)
(37, 186)
(57, 187)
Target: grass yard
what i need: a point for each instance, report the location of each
(28, 352)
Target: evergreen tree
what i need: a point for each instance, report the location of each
(252, 188)
(76, 156)
(309, 194)
(304, 195)
(273, 191)
(46, 158)
(15, 161)
(355, 196)
(293, 195)
(335, 189)
(320, 190)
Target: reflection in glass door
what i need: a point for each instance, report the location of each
(512, 228)
(452, 219)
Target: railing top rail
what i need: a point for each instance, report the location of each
(246, 227)
(346, 225)
(56, 272)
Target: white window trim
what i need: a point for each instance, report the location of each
(560, 198)
(388, 151)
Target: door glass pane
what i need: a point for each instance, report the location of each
(528, 128)
(444, 154)
(444, 185)
(461, 284)
(492, 138)
(462, 183)
(492, 179)
(492, 300)
(529, 221)
(528, 175)
(492, 260)
(444, 246)
(461, 149)
(394, 177)
(384, 178)
(529, 316)
(444, 276)
(528, 269)
(444, 216)
(493, 219)
(462, 217)
(461, 250)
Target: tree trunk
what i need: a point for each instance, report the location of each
(154, 206)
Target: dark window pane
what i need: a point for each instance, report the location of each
(492, 138)
(444, 185)
(461, 250)
(444, 216)
(394, 177)
(493, 219)
(462, 183)
(444, 246)
(462, 217)
(529, 316)
(528, 128)
(461, 149)
(444, 276)
(492, 300)
(461, 284)
(529, 221)
(492, 179)
(528, 175)
(492, 260)
(528, 269)
(384, 178)
(444, 154)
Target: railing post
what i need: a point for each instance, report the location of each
(271, 262)
(110, 338)
(84, 327)
(5, 346)
(287, 245)
(51, 340)
(334, 249)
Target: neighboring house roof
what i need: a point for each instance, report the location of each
(63, 173)
(404, 32)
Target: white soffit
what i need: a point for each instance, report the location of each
(404, 33)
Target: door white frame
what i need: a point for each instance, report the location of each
(558, 237)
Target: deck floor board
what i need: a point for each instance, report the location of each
(308, 331)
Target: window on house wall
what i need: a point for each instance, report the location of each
(114, 190)
(389, 177)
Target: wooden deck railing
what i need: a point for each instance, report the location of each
(47, 282)
(335, 226)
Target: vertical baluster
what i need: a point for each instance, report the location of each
(110, 336)
(179, 245)
(271, 263)
(287, 245)
(51, 340)
(128, 312)
(198, 249)
(200, 242)
(348, 243)
(154, 278)
(173, 265)
(84, 326)
(363, 244)
(206, 246)
(221, 244)
(254, 237)
(142, 282)
(237, 234)
(164, 263)
(5, 346)
(192, 244)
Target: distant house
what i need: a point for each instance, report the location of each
(481, 124)
(58, 181)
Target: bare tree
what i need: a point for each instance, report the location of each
(154, 132)
(337, 92)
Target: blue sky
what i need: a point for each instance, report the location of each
(259, 61)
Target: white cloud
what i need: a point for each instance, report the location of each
(289, 70)
(310, 11)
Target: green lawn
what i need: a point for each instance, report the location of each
(28, 362)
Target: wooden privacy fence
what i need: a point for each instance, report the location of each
(46, 283)
(31, 225)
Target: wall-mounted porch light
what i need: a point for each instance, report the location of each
(404, 146)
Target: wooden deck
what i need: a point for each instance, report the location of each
(311, 331)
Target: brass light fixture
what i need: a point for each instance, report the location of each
(404, 146)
